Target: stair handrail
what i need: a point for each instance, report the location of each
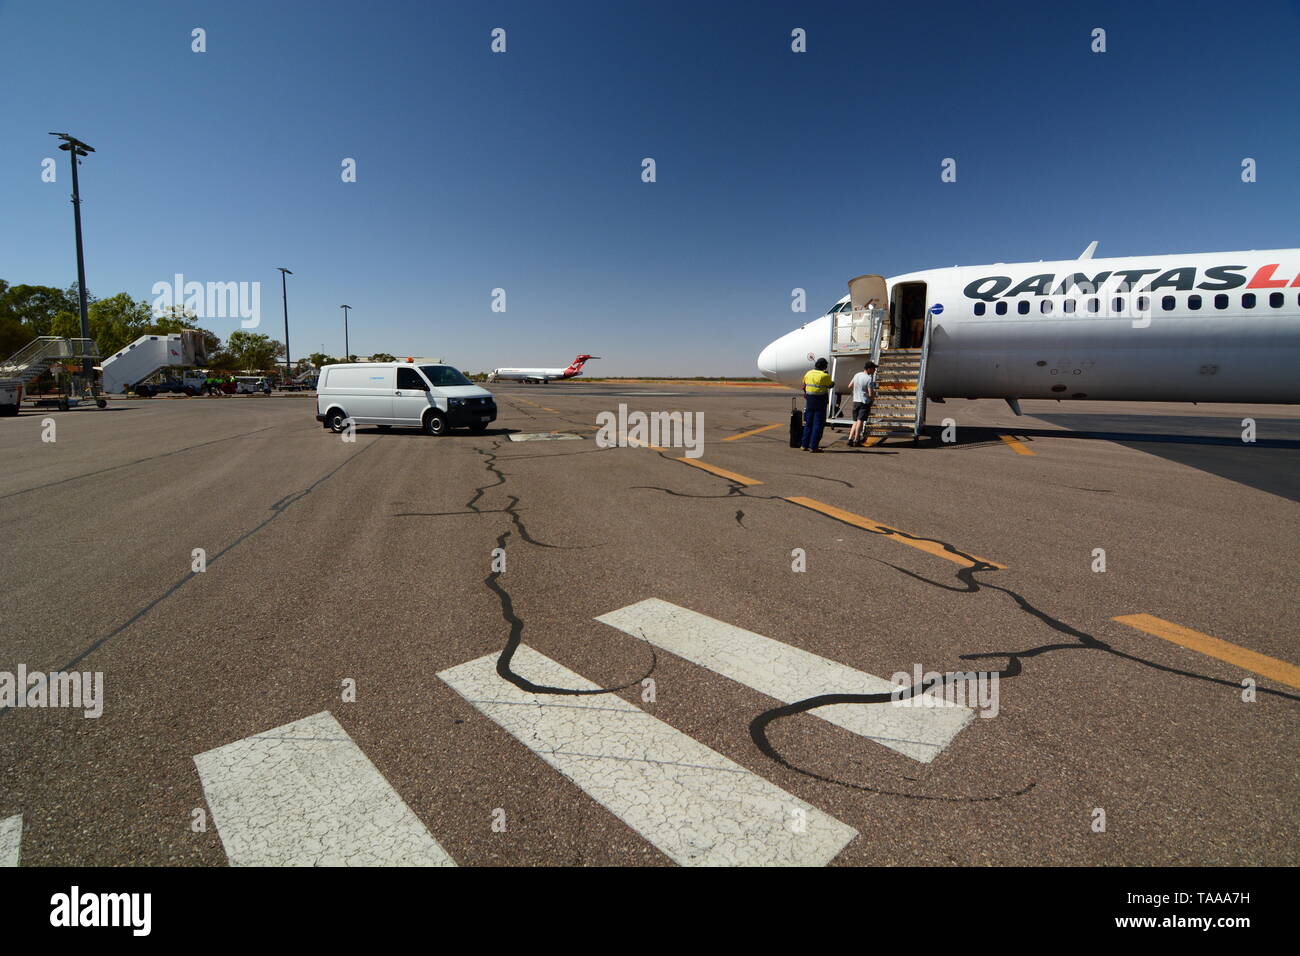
(878, 323)
(34, 350)
(920, 378)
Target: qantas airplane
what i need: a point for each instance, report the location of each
(543, 375)
(1208, 327)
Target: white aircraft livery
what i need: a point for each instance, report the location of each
(1211, 327)
(543, 375)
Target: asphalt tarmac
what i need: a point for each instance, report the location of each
(364, 579)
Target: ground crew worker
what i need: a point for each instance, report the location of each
(864, 393)
(817, 389)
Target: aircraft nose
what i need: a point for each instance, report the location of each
(767, 361)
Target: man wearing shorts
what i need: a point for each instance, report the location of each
(864, 393)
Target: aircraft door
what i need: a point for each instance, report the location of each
(907, 315)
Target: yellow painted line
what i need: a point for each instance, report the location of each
(1016, 445)
(720, 472)
(545, 409)
(872, 440)
(754, 431)
(930, 547)
(1249, 660)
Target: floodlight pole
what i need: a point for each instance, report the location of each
(347, 353)
(284, 292)
(75, 148)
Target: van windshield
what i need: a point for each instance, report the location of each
(444, 375)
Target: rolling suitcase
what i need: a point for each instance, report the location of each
(796, 426)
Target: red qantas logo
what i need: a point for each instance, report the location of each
(576, 367)
(1215, 279)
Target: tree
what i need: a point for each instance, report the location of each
(27, 311)
(252, 350)
(114, 322)
(383, 357)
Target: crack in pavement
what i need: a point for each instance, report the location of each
(516, 623)
(759, 725)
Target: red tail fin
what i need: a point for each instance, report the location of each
(577, 364)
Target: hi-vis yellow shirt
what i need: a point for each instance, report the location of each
(816, 383)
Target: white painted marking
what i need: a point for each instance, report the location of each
(543, 436)
(306, 795)
(11, 838)
(694, 804)
(790, 674)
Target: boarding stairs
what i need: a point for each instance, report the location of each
(899, 408)
(35, 358)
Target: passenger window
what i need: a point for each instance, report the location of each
(1067, 306)
(1023, 306)
(1143, 303)
(1092, 305)
(1000, 308)
(410, 378)
(1193, 302)
(1167, 303)
(1248, 300)
(979, 308)
(1117, 306)
(1046, 308)
(1220, 301)
(1275, 300)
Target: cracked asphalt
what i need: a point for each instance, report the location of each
(370, 564)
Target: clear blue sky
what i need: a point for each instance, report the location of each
(522, 170)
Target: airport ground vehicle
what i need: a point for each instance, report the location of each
(189, 383)
(11, 396)
(251, 384)
(433, 397)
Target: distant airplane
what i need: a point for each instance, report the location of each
(1206, 327)
(542, 375)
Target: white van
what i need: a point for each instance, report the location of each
(432, 397)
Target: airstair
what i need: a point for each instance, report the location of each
(47, 353)
(36, 357)
(858, 334)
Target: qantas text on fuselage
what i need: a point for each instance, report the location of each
(1180, 279)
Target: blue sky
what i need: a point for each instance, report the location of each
(522, 170)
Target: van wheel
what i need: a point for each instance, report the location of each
(435, 423)
(338, 421)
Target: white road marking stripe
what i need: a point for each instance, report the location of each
(11, 838)
(694, 804)
(790, 674)
(543, 436)
(306, 795)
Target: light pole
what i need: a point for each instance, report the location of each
(347, 354)
(284, 291)
(75, 147)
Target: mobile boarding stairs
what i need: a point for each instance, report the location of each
(49, 352)
(858, 334)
